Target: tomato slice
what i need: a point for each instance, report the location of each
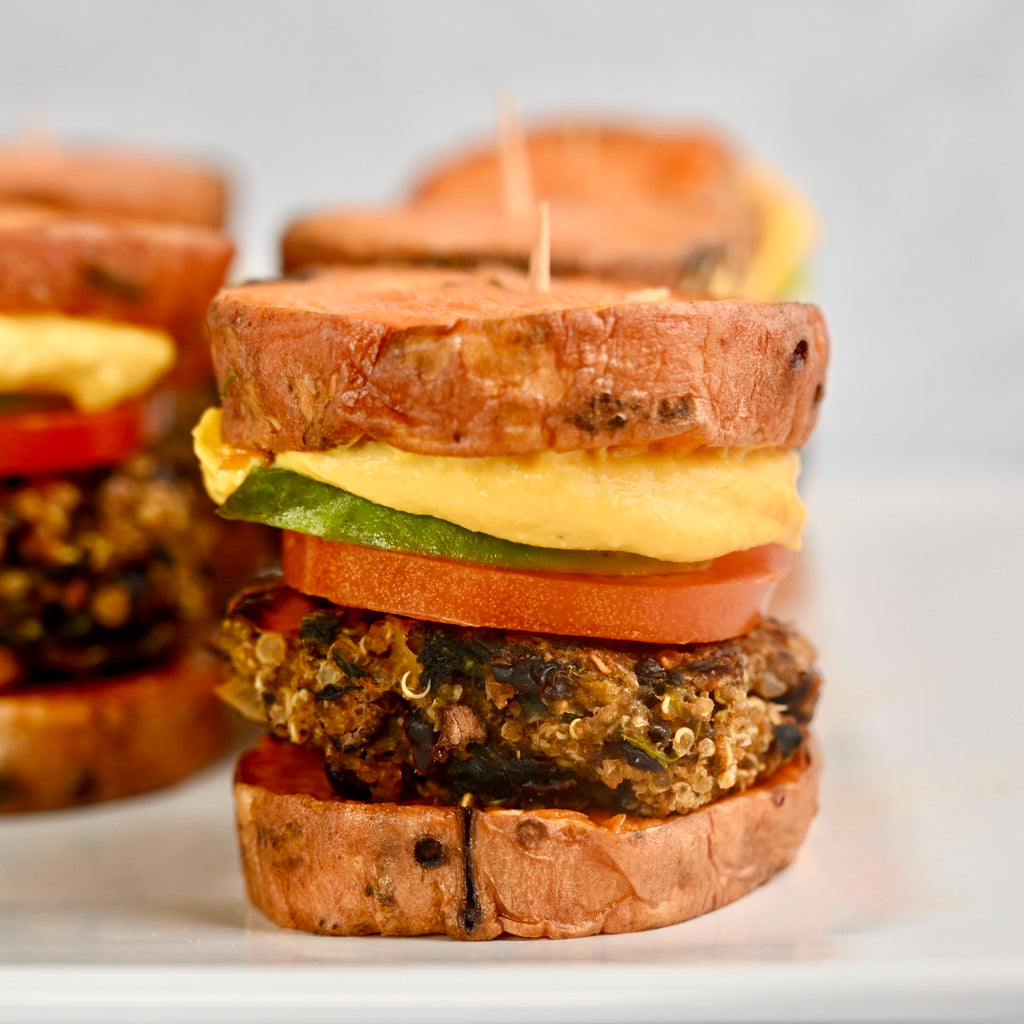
(723, 600)
(62, 440)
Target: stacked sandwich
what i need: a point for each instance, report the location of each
(667, 206)
(517, 676)
(107, 264)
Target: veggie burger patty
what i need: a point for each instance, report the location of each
(403, 709)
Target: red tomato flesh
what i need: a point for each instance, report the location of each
(63, 440)
(722, 600)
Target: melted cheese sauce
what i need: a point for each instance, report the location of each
(94, 363)
(678, 507)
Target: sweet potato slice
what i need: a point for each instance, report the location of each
(154, 275)
(318, 863)
(452, 362)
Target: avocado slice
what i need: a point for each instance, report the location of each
(290, 501)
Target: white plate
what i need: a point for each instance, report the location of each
(905, 904)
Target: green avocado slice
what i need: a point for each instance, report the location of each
(290, 501)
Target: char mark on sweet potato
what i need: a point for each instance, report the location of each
(316, 363)
(405, 709)
(141, 272)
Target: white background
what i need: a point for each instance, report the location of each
(901, 120)
(903, 123)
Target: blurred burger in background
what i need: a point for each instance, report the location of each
(678, 206)
(107, 264)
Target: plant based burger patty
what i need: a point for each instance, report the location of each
(403, 709)
(102, 570)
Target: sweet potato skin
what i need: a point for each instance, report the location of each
(472, 363)
(63, 745)
(321, 864)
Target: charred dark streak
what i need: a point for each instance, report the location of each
(706, 666)
(531, 832)
(678, 408)
(103, 280)
(535, 676)
(443, 656)
(789, 738)
(471, 913)
(798, 360)
(635, 757)
(333, 692)
(659, 735)
(458, 261)
(429, 852)
(346, 666)
(9, 788)
(276, 838)
(255, 602)
(649, 670)
(86, 786)
(802, 698)
(347, 785)
(422, 737)
(319, 628)
(33, 197)
(605, 412)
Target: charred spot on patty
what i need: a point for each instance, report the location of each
(803, 696)
(533, 675)
(403, 709)
(524, 782)
(635, 756)
(443, 655)
(789, 737)
(346, 784)
(421, 736)
(319, 628)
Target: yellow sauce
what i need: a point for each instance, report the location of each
(94, 363)
(787, 230)
(678, 507)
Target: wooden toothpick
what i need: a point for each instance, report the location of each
(516, 176)
(540, 254)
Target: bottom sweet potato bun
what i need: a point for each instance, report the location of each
(76, 743)
(318, 863)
